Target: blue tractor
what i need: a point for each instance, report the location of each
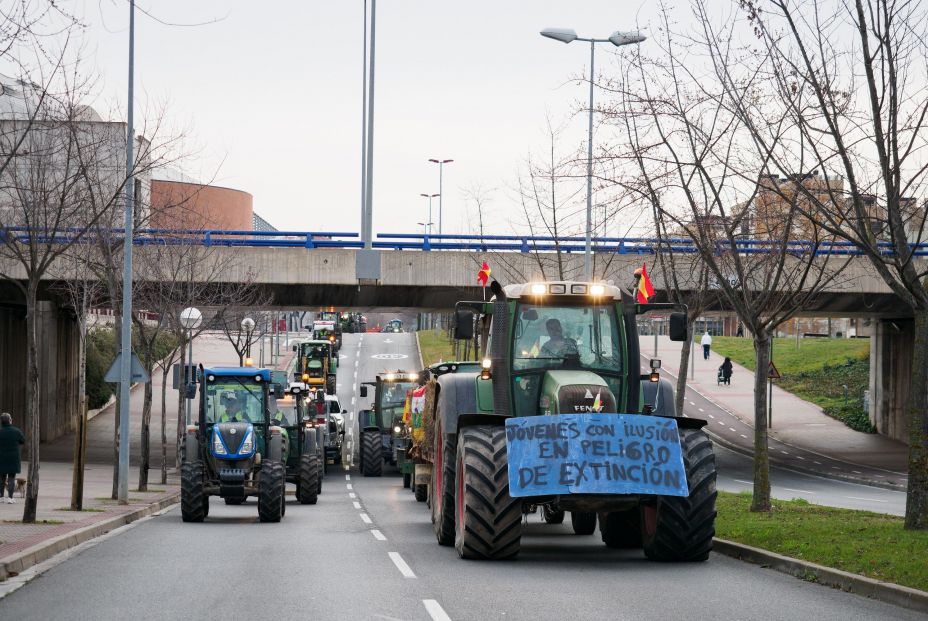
(235, 450)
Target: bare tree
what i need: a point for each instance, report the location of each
(692, 138)
(848, 76)
(231, 324)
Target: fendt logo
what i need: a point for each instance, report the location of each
(596, 406)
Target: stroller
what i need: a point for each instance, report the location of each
(723, 378)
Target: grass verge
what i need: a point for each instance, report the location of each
(860, 542)
(817, 371)
(434, 347)
(84, 510)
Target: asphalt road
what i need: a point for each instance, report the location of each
(366, 551)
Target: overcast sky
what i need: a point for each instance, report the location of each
(271, 95)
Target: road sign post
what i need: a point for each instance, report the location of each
(772, 374)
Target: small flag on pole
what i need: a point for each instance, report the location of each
(645, 288)
(483, 276)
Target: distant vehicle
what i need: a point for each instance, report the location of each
(316, 364)
(381, 428)
(394, 325)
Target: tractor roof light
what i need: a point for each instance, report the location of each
(655, 377)
(249, 362)
(306, 377)
(597, 290)
(389, 377)
(557, 289)
(538, 289)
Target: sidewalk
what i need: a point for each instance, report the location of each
(57, 528)
(796, 422)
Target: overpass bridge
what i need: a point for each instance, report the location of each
(308, 269)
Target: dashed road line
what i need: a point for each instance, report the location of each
(347, 477)
(733, 429)
(435, 610)
(366, 518)
(348, 485)
(867, 499)
(405, 569)
(357, 505)
(352, 495)
(701, 410)
(784, 452)
(801, 491)
(379, 536)
(817, 463)
(710, 415)
(743, 436)
(856, 472)
(800, 457)
(742, 481)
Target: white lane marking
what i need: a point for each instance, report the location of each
(801, 491)
(784, 452)
(710, 415)
(733, 429)
(701, 410)
(347, 477)
(745, 482)
(357, 505)
(692, 403)
(743, 436)
(818, 463)
(435, 610)
(352, 495)
(835, 468)
(856, 471)
(720, 422)
(405, 569)
(799, 457)
(378, 535)
(684, 415)
(348, 485)
(867, 499)
(366, 518)
(355, 363)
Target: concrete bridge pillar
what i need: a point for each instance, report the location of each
(891, 350)
(57, 334)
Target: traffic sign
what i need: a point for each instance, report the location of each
(138, 372)
(772, 372)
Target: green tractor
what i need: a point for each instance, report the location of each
(381, 429)
(316, 365)
(235, 449)
(304, 465)
(561, 418)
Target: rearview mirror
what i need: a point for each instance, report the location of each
(363, 392)
(677, 326)
(295, 348)
(530, 314)
(463, 324)
(344, 411)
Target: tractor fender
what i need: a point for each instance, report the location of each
(309, 442)
(660, 396)
(366, 421)
(469, 420)
(275, 446)
(457, 395)
(191, 447)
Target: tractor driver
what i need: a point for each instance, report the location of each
(558, 346)
(233, 413)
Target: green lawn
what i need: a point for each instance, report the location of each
(816, 371)
(434, 348)
(870, 544)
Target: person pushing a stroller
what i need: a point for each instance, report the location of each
(725, 372)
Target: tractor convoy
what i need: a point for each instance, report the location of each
(556, 417)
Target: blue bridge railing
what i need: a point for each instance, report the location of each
(420, 242)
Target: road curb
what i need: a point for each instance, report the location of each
(888, 592)
(419, 350)
(16, 564)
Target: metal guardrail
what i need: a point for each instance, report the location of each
(420, 242)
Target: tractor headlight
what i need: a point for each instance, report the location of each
(538, 289)
(597, 290)
(218, 447)
(397, 429)
(248, 444)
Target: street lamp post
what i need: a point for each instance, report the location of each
(441, 169)
(248, 324)
(190, 319)
(425, 227)
(567, 35)
(430, 197)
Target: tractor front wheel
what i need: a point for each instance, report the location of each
(371, 453)
(674, 528)
(488, 522)
(271, 491)
(308, 488)
(193, 499)
(583, 522)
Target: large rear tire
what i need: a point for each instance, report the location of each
(308, 488)
(443, 488)
(674, 528)
(371, 453)
(621, 529)
(330, 385)
(488, 522)
(271, 492)
(583, 522)
(193, 498)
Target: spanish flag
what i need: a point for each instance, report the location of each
(483, 276)
(645, 289)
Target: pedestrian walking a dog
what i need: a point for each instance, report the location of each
(706, 345)
(11, 439)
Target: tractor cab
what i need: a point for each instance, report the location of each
(316, 365)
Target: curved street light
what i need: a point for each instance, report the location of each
(248, 324)
(617, 38)
(190, 320)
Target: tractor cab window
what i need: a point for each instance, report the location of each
(285, 412)
(234, 399)
(334, 407)
(393, 401)
(559, 336)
